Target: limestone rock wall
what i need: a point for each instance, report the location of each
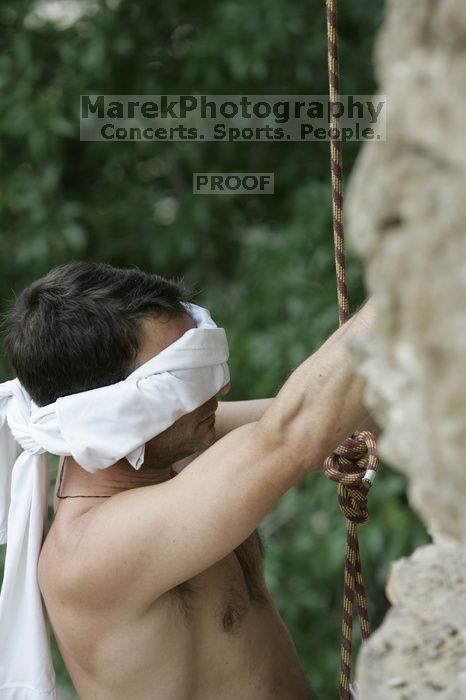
(420, 650)
(407, 219)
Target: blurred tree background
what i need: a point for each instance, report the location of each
(263, 264)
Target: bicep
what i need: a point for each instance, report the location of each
(172, 531)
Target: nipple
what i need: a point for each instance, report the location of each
(228, 619)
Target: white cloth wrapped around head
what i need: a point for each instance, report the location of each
(97, 427)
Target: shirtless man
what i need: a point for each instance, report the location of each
(155, 590)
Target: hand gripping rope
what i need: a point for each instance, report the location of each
(354, 464)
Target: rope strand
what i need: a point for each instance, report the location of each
(354, 463)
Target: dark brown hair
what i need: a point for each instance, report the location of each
(77, 328)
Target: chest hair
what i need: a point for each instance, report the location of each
(250, 555)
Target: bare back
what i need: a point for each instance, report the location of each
(217, 635)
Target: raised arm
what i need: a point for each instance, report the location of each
(321, 402)
(233, 414)
(168, 533)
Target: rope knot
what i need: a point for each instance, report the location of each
(353, 466)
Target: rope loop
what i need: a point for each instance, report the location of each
(353, 466)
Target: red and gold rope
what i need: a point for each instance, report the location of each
(352, 465)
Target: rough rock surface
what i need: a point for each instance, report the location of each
(407, 219)
(419, 652)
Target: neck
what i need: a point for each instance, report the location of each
(75, 482)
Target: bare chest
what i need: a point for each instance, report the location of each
(208, 633)
(225, 593)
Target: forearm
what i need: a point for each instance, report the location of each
(320, 404)
(232, 414)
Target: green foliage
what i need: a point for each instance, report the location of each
(263, 264)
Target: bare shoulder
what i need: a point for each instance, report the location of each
(143, 542)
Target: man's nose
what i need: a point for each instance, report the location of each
(224, 390)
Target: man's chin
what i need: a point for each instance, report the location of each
(208, 438)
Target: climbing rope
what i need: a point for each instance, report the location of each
(353, 465)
